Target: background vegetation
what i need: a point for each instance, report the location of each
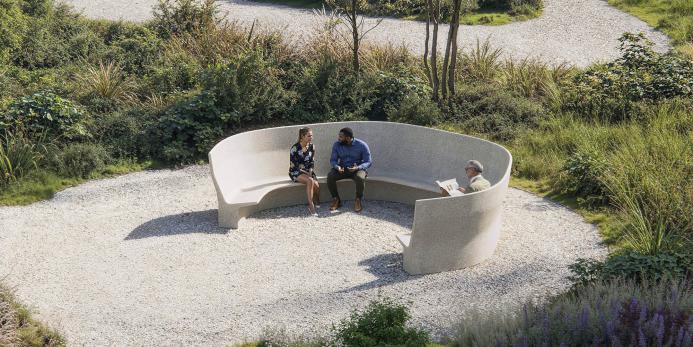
(478, 12)
(81, 99)
(674, 17)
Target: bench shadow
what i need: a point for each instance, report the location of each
(197, 222)
(392, 212)
(387, 268)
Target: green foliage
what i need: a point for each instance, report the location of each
(131, 46)
(583, 179)
(527, 8)
(632, 266)
(126, 134)
(81, 160)
(381, 324)
(395, 95)
(44, 113)
(610, 92)
(175, 17)
(649, 182)
(175, 71)
(487, 110)
(241, 93)
(13, 25)
(415, 109)
(106, 86)
(481, 63)
(18, 156)
(330, 92)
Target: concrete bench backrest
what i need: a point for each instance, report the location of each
(412, 153)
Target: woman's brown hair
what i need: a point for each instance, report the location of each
(302, 132)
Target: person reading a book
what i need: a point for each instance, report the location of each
(476, 181)
(301, 165)
(350, 158)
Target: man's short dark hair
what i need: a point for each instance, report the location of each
(347, 132)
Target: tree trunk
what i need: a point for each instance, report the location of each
(355, 36)
(434, 49)
(425, 55)
(454, 28)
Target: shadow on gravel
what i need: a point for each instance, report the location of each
(393, 212)
(388, 270)
(198, 222)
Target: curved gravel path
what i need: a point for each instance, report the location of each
(138, 260)
(579, 32)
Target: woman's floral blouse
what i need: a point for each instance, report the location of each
(300, 160)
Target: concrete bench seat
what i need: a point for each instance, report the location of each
(250, 173)
(253, 194)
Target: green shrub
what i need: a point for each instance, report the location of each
(13, 25)
(610, 92)
(132, 46)
(81, 160)
(584, 170)
(415, 109)
(174, 17)
(44, 113)
(633, 266)
(175, 71)
(527, 8)
(486, 110)
(126, 134)
(381, 324)
(329, 92)
(395, 93)
(248, 89)
(244, 92)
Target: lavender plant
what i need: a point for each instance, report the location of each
(619, 313)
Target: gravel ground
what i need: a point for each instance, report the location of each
(579, 32)
(138, 260)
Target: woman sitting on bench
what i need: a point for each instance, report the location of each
(302, 158)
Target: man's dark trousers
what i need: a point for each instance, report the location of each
(359, 178)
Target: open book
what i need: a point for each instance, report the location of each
(451, 186)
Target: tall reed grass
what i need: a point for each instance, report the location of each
(648, 173)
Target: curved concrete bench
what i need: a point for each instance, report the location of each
(250, 173)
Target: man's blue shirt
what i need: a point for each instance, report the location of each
(346, 155)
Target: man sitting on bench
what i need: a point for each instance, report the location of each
(350, 158)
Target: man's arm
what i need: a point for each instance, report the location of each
(333, 157)
(366, 157)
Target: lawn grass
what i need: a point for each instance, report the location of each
(43, 184)
(673, 17)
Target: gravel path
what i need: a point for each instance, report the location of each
(580, 32)
(138, 260)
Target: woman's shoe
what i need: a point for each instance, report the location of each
(311, 209)
(316, 199)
